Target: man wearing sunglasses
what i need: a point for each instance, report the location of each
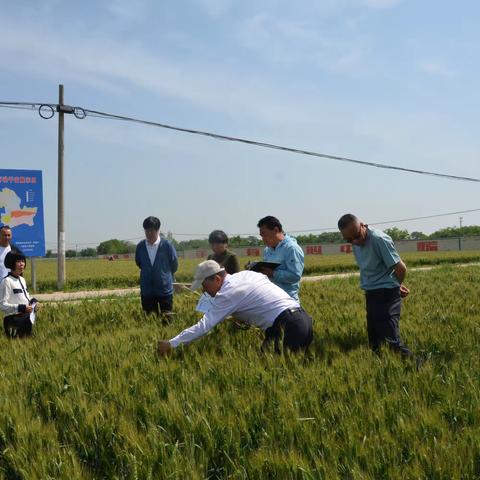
(382, 272)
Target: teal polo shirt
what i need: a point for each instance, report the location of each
(376, 260)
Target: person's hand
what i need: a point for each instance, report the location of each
(267, 271)
(404, 290)
(28, 309)
(164, 348)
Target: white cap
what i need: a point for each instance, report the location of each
(204, 270)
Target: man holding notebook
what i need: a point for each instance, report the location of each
(283, 249)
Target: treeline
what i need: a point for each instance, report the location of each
(396, 234)
(117, 247)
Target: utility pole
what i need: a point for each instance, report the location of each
(461, 218)
(60, 227)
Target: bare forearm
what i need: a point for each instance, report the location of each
(400, 271)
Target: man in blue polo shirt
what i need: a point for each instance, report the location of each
(284, 249)
(382, 272)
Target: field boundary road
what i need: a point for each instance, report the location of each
(179, 287)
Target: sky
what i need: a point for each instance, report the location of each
(386, 81)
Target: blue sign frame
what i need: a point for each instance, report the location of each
(21, 208)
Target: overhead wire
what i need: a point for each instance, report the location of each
(279, 147)
(81, 113)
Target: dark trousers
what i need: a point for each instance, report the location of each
(383, 317)
(297, 330)
(155, 304)
(17, 325)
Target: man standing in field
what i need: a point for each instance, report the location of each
(382, 272)
(157, 259)
(285, 250)
(253, 299)
(5, 247)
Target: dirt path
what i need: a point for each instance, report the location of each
(178, 287)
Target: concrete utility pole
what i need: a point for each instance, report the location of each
(60, 227)
(461, 219)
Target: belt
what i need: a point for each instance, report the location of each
(296, 309)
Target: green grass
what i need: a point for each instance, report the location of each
(87, 398)
(102, 274)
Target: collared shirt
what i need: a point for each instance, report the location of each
(249, 296)
(376, 260)
(3, 253)
(13, 293)
(152, 249)
(290, 255)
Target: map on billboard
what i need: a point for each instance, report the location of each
(21, 208)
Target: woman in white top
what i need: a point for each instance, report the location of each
(15, 301)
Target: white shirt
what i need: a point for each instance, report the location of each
(3, 253)
(249, 296)
(13, 292)
(152, 249)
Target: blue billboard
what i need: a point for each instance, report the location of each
(21, 208)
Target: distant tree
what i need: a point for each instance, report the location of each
(418, 236)
(71, 253)
(169, 237)
(456, 232)
(325, 237)
(114, 246)
(49, 254)
(238, 241)
(397, 234)
(307, 239)
(193, 244)
(330, 237)
(88, 252)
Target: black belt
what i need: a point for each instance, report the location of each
(293, 310)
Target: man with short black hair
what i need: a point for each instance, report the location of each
(252, 298)
(157, 259)
(382, 272)
(284, 249)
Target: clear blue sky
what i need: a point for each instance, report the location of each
(389, 81)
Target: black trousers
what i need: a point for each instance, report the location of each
(17, 325)
(297, 330)
(383, 317)
(155, 304)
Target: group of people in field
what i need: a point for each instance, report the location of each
(265, 297)
(268, 298)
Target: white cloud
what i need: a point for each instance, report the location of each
(129, 11)
(381, 3)
(300, 42)
(215, 8)
(437, 68)
(118, 68)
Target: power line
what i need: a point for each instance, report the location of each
(427, 216)
(279, 147)
(80, 113)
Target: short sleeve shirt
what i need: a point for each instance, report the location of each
(376, 260)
